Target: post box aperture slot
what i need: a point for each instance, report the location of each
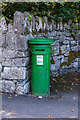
(40, 49)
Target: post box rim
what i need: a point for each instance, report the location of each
(41, 40)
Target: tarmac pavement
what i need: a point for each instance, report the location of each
(61, 105)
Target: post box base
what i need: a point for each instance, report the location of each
(41, 94)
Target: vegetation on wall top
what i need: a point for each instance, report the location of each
(63, 11)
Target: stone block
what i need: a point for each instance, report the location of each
(0, 39)
(10, 40)
(66, 42)
(75, 48)
(66, 53)
(74, 65)
(55, 74)
(58, 27)
(20, 62)
(62, 38)
(21, 43)
(56, 43)
(14, 73)
(23, 89)
(65, 48)
(56, 66)
(56, 50)
(73, 43)
(65, 59)
(7, 86)
(0, 67)
(10, 28)
(3, 25)
(18, 22)
(67, 33)
(52, 34)
(20, 54)
(6, 63)
(1, 58)
(59, 33)
(29, 74)
(61, 26)
(8, 53)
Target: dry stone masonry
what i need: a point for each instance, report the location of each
(15, 57)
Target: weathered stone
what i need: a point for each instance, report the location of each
(67, 33)
(52, 67)
(61, 26)
(20, 62)
(66, 53)
(73, 43)
(60, 56)
(62, 38)
(10, 28)
(55, 74)
(3, 25)
(6, 62)
(37, 27)
(1, 58)
(10, 40)
(20, 54)
(56, 50)
(14, 73)
(51, 34)
(50, 27)
(56, 37)
(56, 66)
(7, 86)
(8, 53)
(75, 48)
(56, 43)
(33, 23)
(65, 48)
(63, 67)
(40, 24)
(28, 28)
(66, 42)
(46, 23)
(27, 87)
(75, 64)
(57, 27)
(59, 33)
(55, 58)
(23, 89)
(53, 25)
(0, 67)
(26, 15)
(1, 41)
(18, 22)
(29, 74)
(21, 43)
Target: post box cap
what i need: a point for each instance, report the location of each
(41, 40)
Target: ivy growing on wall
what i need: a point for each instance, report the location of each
(63, 11)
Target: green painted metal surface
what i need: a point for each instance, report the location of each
(41, 51)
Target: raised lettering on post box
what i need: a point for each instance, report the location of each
(39, 59)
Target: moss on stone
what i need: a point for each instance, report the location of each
(52, 61)
(72, 36)
(26, 31)
(60, 52)
(42, 21)
(72, 56)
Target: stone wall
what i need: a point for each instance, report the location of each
(15, 60)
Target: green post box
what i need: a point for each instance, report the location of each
(41, 50)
